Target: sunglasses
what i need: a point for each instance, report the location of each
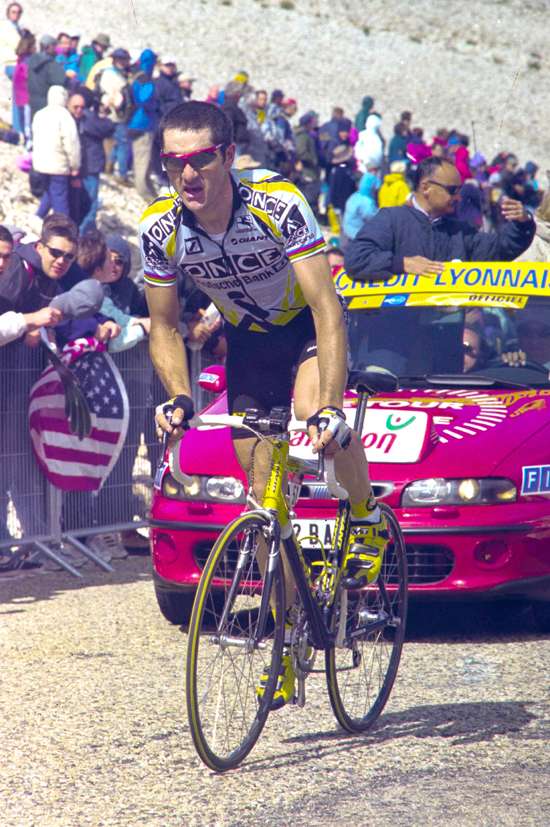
(198, 160)
(530, 332)
(55, 253)
(452, 189)
(118, 261)
(469, 350)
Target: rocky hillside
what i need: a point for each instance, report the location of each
(450, 61)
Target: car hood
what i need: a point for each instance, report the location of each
(409, 433)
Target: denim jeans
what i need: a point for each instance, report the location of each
(121, 149)
(91, 183)
(55, 196)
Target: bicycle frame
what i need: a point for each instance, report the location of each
(279, 531)
(276, 507)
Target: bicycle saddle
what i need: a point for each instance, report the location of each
(372, 381)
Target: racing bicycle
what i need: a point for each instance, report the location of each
(237, 628)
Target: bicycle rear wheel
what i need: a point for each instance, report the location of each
(360, 676)
(223, 666)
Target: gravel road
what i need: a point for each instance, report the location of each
(94, 731)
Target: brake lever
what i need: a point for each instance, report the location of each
(321, 455)
(168, 411)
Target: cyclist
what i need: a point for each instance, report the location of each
(251, 242)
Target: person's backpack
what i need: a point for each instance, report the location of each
(130, 105)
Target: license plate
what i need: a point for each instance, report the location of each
(306, 529)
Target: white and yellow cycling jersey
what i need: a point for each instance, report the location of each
(247, 272)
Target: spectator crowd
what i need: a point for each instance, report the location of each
(83, 112)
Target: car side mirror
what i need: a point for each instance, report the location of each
(213, 379)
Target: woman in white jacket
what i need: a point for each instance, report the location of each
(56, 151)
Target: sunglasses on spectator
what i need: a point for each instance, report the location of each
(469, 350)
(198, 160)
(452, 189)
(527, 332)
(55, 253)
(119, 262)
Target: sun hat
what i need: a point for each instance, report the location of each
(342, 154)
(246, 162)
(103, 40)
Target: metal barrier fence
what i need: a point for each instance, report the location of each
(36, 517)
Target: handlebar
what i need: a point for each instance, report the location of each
(213, 421)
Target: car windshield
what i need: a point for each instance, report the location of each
(511, 345)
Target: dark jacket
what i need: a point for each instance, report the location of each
(328, 138)
(43, 71)
(396, 232)
(307, 152)
(167, 93)
(342, 184)
(92, 131)
(397, 150)
(25, 287)
(238, 119)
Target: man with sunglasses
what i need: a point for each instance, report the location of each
(422, 235)
(32, 280)
(250, 241)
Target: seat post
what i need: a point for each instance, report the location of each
(362, 399)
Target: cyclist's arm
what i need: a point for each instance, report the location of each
(315, 279)
(166, 345)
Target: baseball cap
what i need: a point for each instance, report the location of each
(289, 102)
(120, 54)
(103, 40)
(47, 40)
(187, 78)
(168, 59)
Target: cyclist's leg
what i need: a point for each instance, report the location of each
(259, 375)
(350, 465)
(364, 554)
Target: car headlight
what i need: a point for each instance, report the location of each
(484, 491)
(204, 489)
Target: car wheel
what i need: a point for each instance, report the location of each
(175, 606)
(541, 610)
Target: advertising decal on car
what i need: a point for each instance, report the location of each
(535, 479)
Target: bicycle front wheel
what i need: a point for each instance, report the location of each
(224, 665)
(361, 674)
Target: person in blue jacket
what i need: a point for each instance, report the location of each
(143, 124)
(362, 205)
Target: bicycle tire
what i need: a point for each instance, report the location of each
(225, 716)
(361, 675)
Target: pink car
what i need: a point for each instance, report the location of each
(461, 451)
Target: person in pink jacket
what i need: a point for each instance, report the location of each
(462, 160)
(25, 48)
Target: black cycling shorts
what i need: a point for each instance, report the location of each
(260, 367)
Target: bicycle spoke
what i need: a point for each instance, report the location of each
(360, 676)
(223, 669)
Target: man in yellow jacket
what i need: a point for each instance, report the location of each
(394, 191)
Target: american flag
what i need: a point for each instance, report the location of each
(67, 462)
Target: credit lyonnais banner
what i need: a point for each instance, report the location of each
(502, 284)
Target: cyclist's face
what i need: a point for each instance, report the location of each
(199, 189)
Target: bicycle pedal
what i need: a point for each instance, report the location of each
(353, 583)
